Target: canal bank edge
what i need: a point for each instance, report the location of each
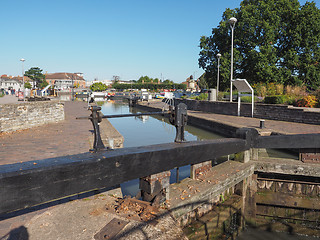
(278, 112)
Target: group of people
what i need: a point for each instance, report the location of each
(9, 91)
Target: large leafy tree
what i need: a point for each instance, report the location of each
(146, 79)
(202, 82)
(275, 41)
(98, 87)
(36, 75)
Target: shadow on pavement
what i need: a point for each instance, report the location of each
(20, 233)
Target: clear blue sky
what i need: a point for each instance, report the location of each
(103, 38)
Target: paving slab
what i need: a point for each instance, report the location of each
(91, 218)
(8, 99)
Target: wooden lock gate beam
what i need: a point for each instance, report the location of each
(27, 184)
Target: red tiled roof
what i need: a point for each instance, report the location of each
(63, 75)
(19, 78)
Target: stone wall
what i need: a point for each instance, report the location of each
(26, 115)
(263, 111)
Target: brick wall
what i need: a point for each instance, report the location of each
(263, 111)
(26, 115)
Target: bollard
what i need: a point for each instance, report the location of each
(262, 124)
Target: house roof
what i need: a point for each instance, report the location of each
(18, 78)
(63, 75)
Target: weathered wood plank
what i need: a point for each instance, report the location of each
(27, 184)
(288, 141)
(287, 200)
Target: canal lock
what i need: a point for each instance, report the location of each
(273, 203)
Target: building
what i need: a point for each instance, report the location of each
(65, 80)
(8, 83)
(126, 82)
(106, 82)
(192, 85)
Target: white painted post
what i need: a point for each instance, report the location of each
(239, 100)
(252, 106)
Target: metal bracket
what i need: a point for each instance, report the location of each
(180, 120)
(96, 118)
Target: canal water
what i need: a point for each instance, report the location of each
(148, 130)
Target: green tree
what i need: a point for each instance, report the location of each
(98, 87)
(144, 79)
(307, 63)
(27, 85)
(36, 75)
(167, 81)
(202, 82)
(274, 41)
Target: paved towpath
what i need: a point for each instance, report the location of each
(68, 137)
(270, 125)
(240, 122)
(8, 99)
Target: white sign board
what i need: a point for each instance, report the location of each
(243, 86)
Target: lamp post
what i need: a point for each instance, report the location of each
(72, 87)
(232, 22)
(23, 90)
(218, 56)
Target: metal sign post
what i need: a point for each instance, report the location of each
(243, 86)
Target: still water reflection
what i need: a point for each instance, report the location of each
(148, 130)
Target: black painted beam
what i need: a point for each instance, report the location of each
(288, 141)
(27, 184)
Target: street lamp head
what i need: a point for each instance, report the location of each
(232, 21)
(22, 60)
(218, 55)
